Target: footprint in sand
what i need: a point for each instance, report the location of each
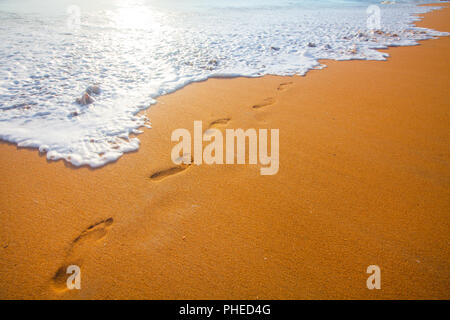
(162, 174)
(219, 123)
(284, 86)
(166, 173)
(216, 124)
(60, 278)
(265, 103)
(94, 232)
(86, 238)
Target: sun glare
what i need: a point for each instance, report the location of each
(134, 14)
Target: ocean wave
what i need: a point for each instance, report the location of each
(135, 52)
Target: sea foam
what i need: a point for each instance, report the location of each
(136, 51)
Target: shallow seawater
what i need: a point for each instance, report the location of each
(133, 51)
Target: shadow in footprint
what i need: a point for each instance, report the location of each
(60, 278)
(266, 102)
(90, 235)
(162, 174)
(219, 122)
(94, 232)
(284, 86)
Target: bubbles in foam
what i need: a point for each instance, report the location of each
(131, 54)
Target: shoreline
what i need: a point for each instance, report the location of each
(321, 65)
(363, 180)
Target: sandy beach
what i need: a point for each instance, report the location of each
(364, 179)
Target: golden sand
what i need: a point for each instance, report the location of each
(364, 179)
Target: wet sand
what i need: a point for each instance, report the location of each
(364, 180)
